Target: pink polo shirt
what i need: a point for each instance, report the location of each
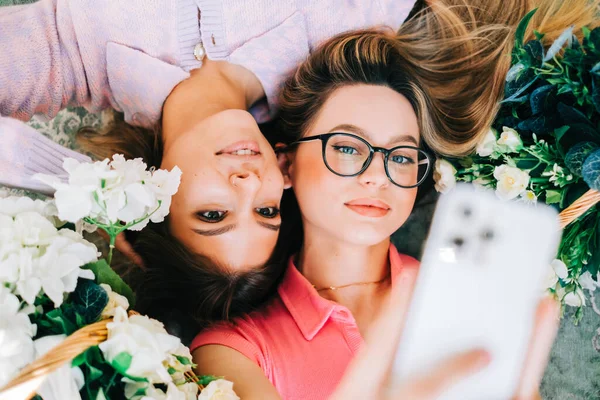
(301, 341)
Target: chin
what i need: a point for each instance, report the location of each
(364, 237)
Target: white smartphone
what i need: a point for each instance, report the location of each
(479, 284)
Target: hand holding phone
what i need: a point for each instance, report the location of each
(478, 287)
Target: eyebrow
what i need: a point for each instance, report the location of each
(361, 132)
(229, 228)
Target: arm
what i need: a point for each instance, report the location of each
(250, 382)
(25, 152)
(41, 69)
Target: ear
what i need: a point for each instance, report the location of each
(284, 160)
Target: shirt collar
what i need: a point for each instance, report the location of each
(311, 311)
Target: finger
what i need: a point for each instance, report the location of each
(542, 338)
(125, 247)
(446, 374)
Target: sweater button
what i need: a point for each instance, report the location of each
(199, 52)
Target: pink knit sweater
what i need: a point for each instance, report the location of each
(130, 54)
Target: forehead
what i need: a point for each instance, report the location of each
(378, 110)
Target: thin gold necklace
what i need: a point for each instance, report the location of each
(351, 284)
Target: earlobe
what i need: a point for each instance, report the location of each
(284, 161)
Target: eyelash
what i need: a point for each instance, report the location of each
(219, 218)
(271, 212)
(274, 211)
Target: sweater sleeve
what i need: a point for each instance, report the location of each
(25, 152)
(41, 69)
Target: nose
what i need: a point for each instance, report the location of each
(374, 175)
(247, 180)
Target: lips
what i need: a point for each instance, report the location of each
(369, 207)
(244, 148)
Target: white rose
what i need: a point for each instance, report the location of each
(16, 332)
(488, 145)
(33, 229)
(65, 382)
(14, 205)
(511, 181)
(114, 300)
(444, 175)
(575, 299)
(219, 389)
(587, 282)
(145, 340)
(509, 141)
(190, 390)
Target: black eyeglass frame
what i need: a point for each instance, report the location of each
(324, 138)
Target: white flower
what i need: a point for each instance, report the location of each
(190, 390)
(444, 175)
(509, 141)
(575, 298)
(151, 392)
(587, 282)
(16, 332)
(529, 197)
(511, 181)
(488, 145)
(558, 176)
(14, 205)
(114, 300)
(146, 340)
(557, 269)
(114, 192)
(65, 382)
(219, 389)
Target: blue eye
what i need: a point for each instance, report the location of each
(211, 216)
(347, 150)
(268, 212)
(402, 160)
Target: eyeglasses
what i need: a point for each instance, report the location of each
(346, 154)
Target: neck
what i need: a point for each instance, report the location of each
(215, 87)
(326, 261)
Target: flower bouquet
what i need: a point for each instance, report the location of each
(65, 332)
(544, 146)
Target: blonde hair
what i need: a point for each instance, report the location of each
(461, 53)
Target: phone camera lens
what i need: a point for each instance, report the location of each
(458, 242)
(487, 234)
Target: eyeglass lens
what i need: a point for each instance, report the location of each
(347, 155)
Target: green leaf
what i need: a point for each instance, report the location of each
(94, 373)
(591, 170)
(91, 296)
(204, 380)
(122, 362)
(553, 196)
(183, 360)
(522, 27)
(577, 155)
(560, 132)
(105, 274)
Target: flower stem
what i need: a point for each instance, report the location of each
(111, 245)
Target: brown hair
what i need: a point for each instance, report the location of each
(187, 291)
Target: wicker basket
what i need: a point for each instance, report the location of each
(26, 383)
